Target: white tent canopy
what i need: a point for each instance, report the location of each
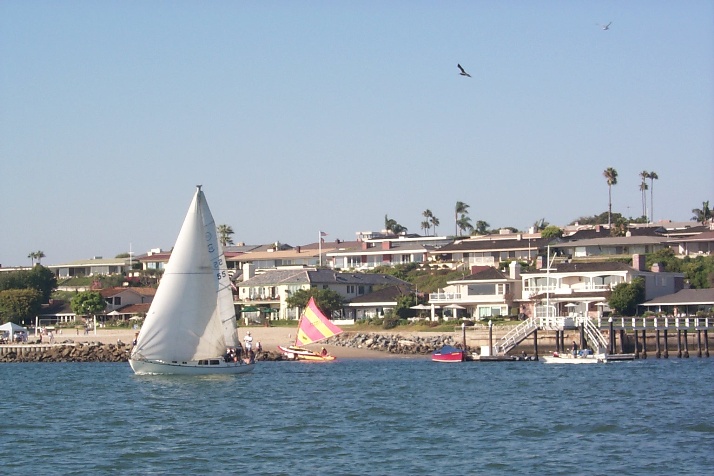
(11, 328)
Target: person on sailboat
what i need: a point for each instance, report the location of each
(323, 352)
(248, 341)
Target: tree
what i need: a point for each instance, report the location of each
(428, 215)
(327, 300)
(434, 223)
(643, 191)
(39, 278)
(425, 226)
(462, 209)
(481, 227)
(551, 231)
(626, 297)
(702, 215)
(652, 176)
(392, 226)
(88, 303)
(464, 223)
(224, 235)
(619, 228)
(610, 175)
(16, 305)
(36, 256)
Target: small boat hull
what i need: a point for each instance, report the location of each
(200, 367)
(448, 354)
(569, 359)
(300, 353)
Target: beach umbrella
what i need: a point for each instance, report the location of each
(250, 309)
(454, 306)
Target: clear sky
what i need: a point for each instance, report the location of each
(304, 116)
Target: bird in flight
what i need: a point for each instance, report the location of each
(606, 27)
(463, 73)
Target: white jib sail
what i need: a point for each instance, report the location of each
(183, 322)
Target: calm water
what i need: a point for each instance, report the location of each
(362, 417)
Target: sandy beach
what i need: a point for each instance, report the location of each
(269, 337)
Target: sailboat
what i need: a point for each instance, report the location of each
(191, 322)
(313, 327)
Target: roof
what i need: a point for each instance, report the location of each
(704, 236)
(134, 308)
(613, 240)
(141, 291)
(389, 294)
(485, 273)
(494, 244)
(319, 276)
(684, 297)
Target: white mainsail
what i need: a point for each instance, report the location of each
(192, 315)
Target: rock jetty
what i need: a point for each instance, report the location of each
(393, 343)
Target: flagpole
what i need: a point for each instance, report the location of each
(319, 247)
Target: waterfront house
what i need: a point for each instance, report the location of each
(267, 292)
(383, 250)
(583, 288)
(92, 267)
(485, 293)
(490, 250)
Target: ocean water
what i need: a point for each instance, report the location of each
(401, 416)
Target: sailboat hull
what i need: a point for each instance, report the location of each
(300, 353)
(200, 367)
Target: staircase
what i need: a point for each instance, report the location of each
(594, 336)
(519, 333)
(515, 336)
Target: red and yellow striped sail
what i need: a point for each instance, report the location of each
(314, 326)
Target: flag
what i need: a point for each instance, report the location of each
(322, 233)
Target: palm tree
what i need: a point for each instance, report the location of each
(702, 215)
(428, 215)
(425, 225)
(36, 256)
(652, 176)
(224, 235)
(464, 223)
(434, 223)
(481, 227)
(610, 175)
(460, 209)
(643, 192)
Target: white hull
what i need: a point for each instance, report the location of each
(158, 367)
(569, 359)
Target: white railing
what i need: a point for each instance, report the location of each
(516, 335)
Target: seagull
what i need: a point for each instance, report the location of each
(606, 27)
(463, 73)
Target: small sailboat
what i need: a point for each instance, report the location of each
(191, 322)
(313, 327)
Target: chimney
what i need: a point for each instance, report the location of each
(386, 245)
(364, 245)
(539, 262)
(597, 228)
(657, 268)
(297, 248)
(515, 270)
(248, 271)
(638, 262)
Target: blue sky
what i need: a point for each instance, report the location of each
(305, 116)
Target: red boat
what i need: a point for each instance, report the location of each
(448, 353)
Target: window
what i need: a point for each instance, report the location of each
(480, 289)
(350, 289)
(360, 290)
